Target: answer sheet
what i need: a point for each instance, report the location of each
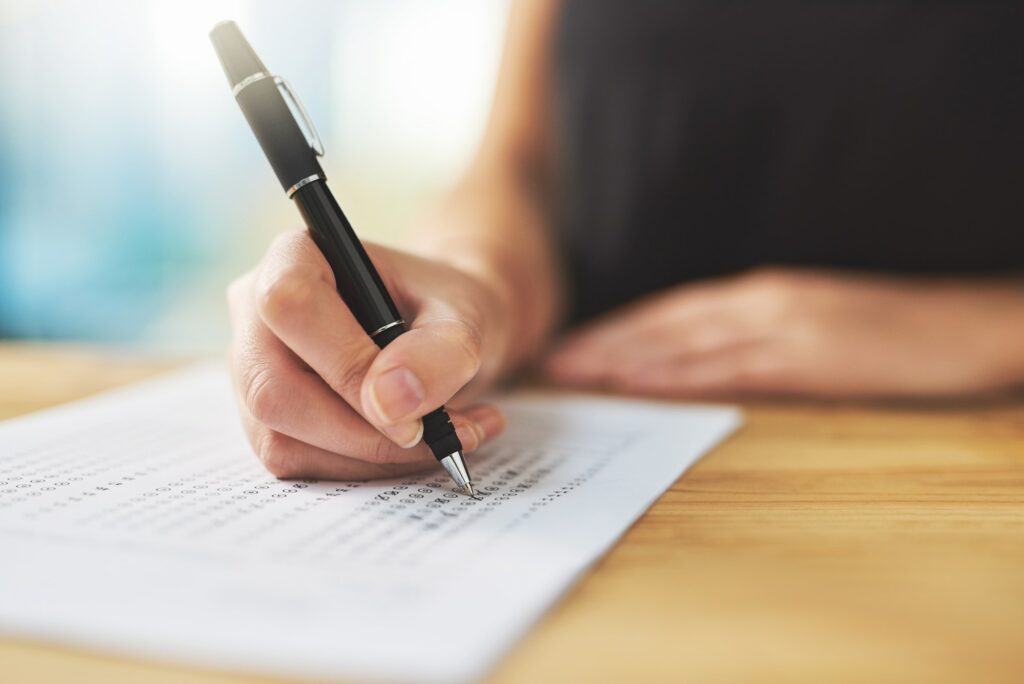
(140, 522)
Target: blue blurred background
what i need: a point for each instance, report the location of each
(131, 190)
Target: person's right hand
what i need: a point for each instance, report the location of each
(317, 397)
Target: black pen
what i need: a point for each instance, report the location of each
(293, 157)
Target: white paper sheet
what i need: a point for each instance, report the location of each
(140, 522)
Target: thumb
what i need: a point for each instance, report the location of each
(422, 369)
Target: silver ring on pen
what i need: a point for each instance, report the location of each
(305, 181)
(382, 328)
(248, 81)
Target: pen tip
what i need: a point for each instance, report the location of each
(456, 467)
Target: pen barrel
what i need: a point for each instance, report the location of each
(274, 126)
(355, 276)
(294, 161)
(259, 96)
(364, 293)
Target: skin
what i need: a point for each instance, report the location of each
(318, 399)
(805, 333)
(483, 290)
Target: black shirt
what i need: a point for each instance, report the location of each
(702, 138)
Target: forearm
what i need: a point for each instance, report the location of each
(494, 223)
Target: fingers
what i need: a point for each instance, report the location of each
(696, 340)
(585, 364)
(279, 391)
(694, 318)
(691, 321)
(300, 428)
(296, 421)
(672, 308)
(668, 342)
(423, 368)
(287, 457)
(298, 302)
(754, 369)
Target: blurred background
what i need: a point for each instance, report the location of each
(131, 189)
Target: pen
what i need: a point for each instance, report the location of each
(293, 156)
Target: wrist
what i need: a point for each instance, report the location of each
(496, 305)
(992, 313)
(494, 232)
(1012, 334)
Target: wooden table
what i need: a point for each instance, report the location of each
(820, 544)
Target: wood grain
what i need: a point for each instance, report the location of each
(820, 544)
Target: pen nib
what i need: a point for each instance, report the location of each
(456, 467)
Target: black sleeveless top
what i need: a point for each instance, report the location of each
(701, 138)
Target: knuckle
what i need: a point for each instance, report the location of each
(259, 389)
(290, 290)
(769, 275)
(376, 471)
(383, 451)
(771, 280)
(469, 340)
(277, 458)
(290, 243)
(346, 374)
(296, 247)
(774, 292)
(778, 288)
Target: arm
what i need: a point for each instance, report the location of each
(493, 222)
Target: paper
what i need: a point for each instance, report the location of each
(140, 522)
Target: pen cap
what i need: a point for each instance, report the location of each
(236, 55)
(259, 95)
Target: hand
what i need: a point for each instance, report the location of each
(805, 333)
(319, 399)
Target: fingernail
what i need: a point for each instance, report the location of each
(396, 394)
(405, 435)
(485, 424)
(470, 435)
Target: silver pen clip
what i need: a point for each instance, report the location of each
(316, 144)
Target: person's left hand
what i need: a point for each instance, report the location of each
(805, 333)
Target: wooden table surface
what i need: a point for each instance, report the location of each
(820, 544)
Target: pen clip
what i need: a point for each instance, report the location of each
(316, 144)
